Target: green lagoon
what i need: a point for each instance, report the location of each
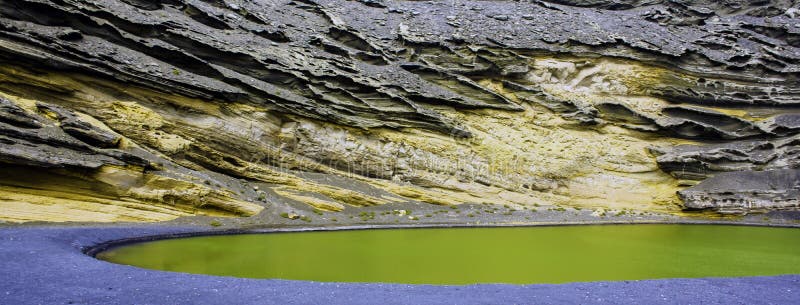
(520, 255)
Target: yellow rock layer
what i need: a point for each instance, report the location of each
(533, 157)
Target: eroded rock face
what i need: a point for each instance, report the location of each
(592, 103)
(51, 150)
(746, 191)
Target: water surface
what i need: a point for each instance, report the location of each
(480, 255)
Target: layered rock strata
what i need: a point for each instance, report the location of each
(148, 110)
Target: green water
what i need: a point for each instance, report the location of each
(480, 255)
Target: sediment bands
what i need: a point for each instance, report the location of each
(150, 110)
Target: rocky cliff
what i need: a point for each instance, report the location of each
(149, 110)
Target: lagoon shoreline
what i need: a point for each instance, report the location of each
(50, 265)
